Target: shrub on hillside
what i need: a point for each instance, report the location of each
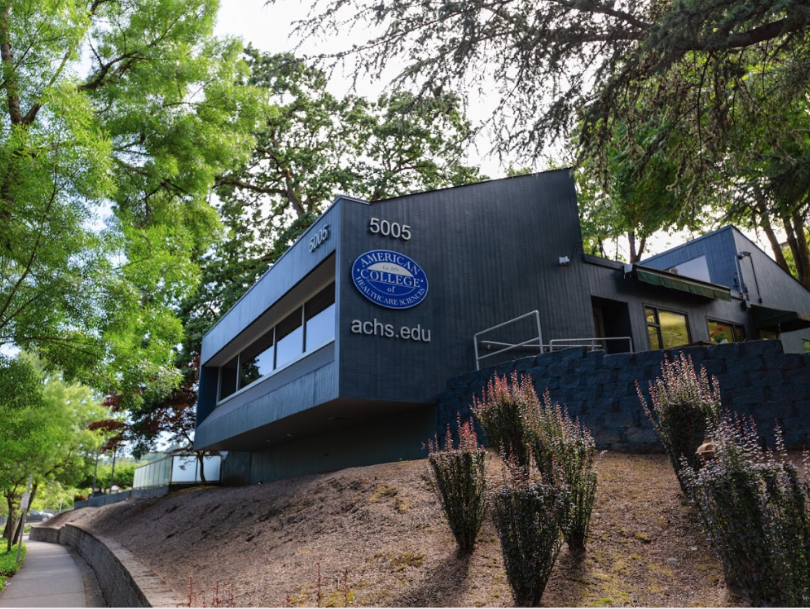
(564, 451)
(685, 405)
(502, 413)
(531, 518)
(460, 482)
(529, 431)
(754, 509)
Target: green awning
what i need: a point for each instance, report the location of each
(779, 320)
(684, 284)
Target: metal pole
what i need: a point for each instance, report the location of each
(24, 508)
(95, 474)
(112, 475)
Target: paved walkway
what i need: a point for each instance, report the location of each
(49, 577)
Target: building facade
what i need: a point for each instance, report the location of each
(337, 354)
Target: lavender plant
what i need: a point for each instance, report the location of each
(754, 509)
(529, 431)
(685, 405)
(459, 478)
(564, 451)
(531, 518)
(502, 413)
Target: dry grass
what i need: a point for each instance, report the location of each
(380, 538)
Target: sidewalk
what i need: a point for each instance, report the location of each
(49, 577)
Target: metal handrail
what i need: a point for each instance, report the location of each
(564, 342)
(539, 338)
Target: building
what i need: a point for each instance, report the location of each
(335, 357)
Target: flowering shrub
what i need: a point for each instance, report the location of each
(502, 413)
(460, 482)
(754, 509)
(684, 406)
(565, 452)
(530, 518)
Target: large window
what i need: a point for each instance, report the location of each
(307, 328)
(666, 329)
(724, 332)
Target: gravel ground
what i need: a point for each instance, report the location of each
(378, 537)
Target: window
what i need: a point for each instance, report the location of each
(724, 332)
(227, 378)
(806, 345)
(666, 329)
(307, 328)
(319, 314)
(290, 334)
(257, 359)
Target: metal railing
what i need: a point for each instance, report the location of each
(595, 343)
(532, 342)
(176, 469)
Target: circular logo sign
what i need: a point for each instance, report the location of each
(390, 279)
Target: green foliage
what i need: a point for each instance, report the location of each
(530, 518)
(459, 477)
(503, 413)
(755, 511)
(8, 563)
(542, 436)
(685, 406)
(564, 450)
(115, 119)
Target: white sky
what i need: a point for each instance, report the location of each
(269, 28)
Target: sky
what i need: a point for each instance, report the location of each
(270, 27)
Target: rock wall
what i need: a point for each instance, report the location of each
(756, 378)
(124, 580)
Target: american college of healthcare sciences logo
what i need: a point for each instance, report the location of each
(390, 279)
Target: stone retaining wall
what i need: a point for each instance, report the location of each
(756, 378)
(124, 580)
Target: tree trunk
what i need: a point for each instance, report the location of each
(201, 459)
(635, 255)
(778, 254)
(7, 532)
(798, 247)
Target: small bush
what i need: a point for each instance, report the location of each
(684, 406)
(502, 414)
(565, 451)
(754, 509)
(8, 563)
(530, 518)
(460, 482)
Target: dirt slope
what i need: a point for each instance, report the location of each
(380, 539)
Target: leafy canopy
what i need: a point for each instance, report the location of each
(104, 175)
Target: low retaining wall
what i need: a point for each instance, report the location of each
(124, 580)
(756, 378)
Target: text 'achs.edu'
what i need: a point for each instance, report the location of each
(377, 328)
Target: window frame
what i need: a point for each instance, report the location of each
(657, 326)
(730, 324)
(273, 328)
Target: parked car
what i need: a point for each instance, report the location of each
(37, 516)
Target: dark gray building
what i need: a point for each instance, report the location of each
(336, 356)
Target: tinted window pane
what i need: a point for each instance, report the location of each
(720, 332)
(653, 334)
(320, 316)
(289, 339)
(650, 313)
(227, 379)
(257, 360)
(673, 329)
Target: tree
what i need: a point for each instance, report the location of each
(47, 437)
(706, 71)
(104, 174)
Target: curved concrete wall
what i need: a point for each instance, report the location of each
(124, 580)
